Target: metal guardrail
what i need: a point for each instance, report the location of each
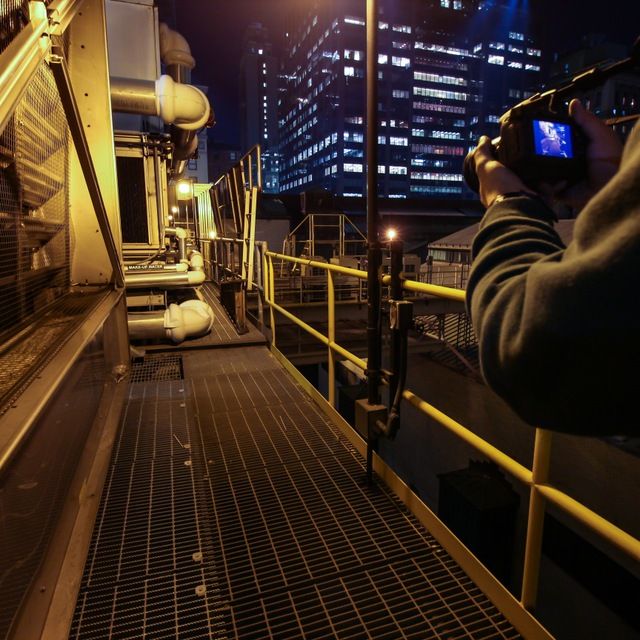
(536, 478)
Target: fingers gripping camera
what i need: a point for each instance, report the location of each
(537, 145)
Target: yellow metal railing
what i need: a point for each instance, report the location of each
(536, 478)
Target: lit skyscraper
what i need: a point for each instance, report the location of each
(432, 89)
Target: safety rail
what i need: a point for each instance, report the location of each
(536, 478)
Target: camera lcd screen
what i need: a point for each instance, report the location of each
(552, 139)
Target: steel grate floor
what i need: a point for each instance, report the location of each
(234, 509)
(154, 368)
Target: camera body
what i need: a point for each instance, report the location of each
(538, 145)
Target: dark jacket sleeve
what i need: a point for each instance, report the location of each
(559, 328)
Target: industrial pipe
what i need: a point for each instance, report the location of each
(190, 319)
(180, 235)
(183, 105)
(164, 280)
(175, 53)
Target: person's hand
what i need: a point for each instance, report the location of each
(494, 178)
(604, 151)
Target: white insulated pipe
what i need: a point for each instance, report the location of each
(190, 319)
(171, 280)
(174, 49)
(182, 105)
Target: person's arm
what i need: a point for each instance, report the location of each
(557, 328)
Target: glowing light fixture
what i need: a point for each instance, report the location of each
(184, 190)
(174, 209)
(392, 234)
(213, 235)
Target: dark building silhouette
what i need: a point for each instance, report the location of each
(258, 101)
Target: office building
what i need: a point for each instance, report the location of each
(436, 82)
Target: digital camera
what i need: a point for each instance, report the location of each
(537, 145)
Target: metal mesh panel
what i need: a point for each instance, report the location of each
(34, 222)
(157, 368)
(14, 14)
(33, 488)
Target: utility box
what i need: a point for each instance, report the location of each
(480, 507)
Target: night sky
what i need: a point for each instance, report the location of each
(214, 29)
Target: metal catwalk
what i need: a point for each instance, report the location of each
(234, 509)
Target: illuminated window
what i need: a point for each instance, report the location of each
(382, 139)
(440, 94)
(382, 168)
(514, 65)
(351, 167)
(514, 35)
(383, 25)
(349, 71)
(401, 45)
(419, 133)
(434, 77)
(350, 54)
(400, 93)
(398, 142)
(445, 3)
(398, 171)
(401, 28)
(514, 49)
(477, 48)
(383, 58)
(493, 59)
(457, 5)
(496, 45)
(531, 67)
(398, 61)
(352, 20)
(534, 52)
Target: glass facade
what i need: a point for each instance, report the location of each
(433, 82)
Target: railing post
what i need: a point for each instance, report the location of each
(331, 334)
(535, 522)
(271, 287)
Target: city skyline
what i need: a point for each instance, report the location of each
(215, 32)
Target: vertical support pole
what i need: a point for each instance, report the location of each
(395, 293)
(331, 334)
(374, 255)
(535, 522)
(272, 297)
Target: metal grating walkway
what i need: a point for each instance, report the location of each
(234, 509)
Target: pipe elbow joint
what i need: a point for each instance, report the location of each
(174, 48)
(190, 319)
(183, 105)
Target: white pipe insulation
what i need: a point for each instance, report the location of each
(174, 49)
(170, 280)
(183, 105)
(190, 319)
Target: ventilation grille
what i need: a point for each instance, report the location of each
(133, 200)
(34, 222)
(14, 15)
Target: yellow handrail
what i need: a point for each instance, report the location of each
(536, 479)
